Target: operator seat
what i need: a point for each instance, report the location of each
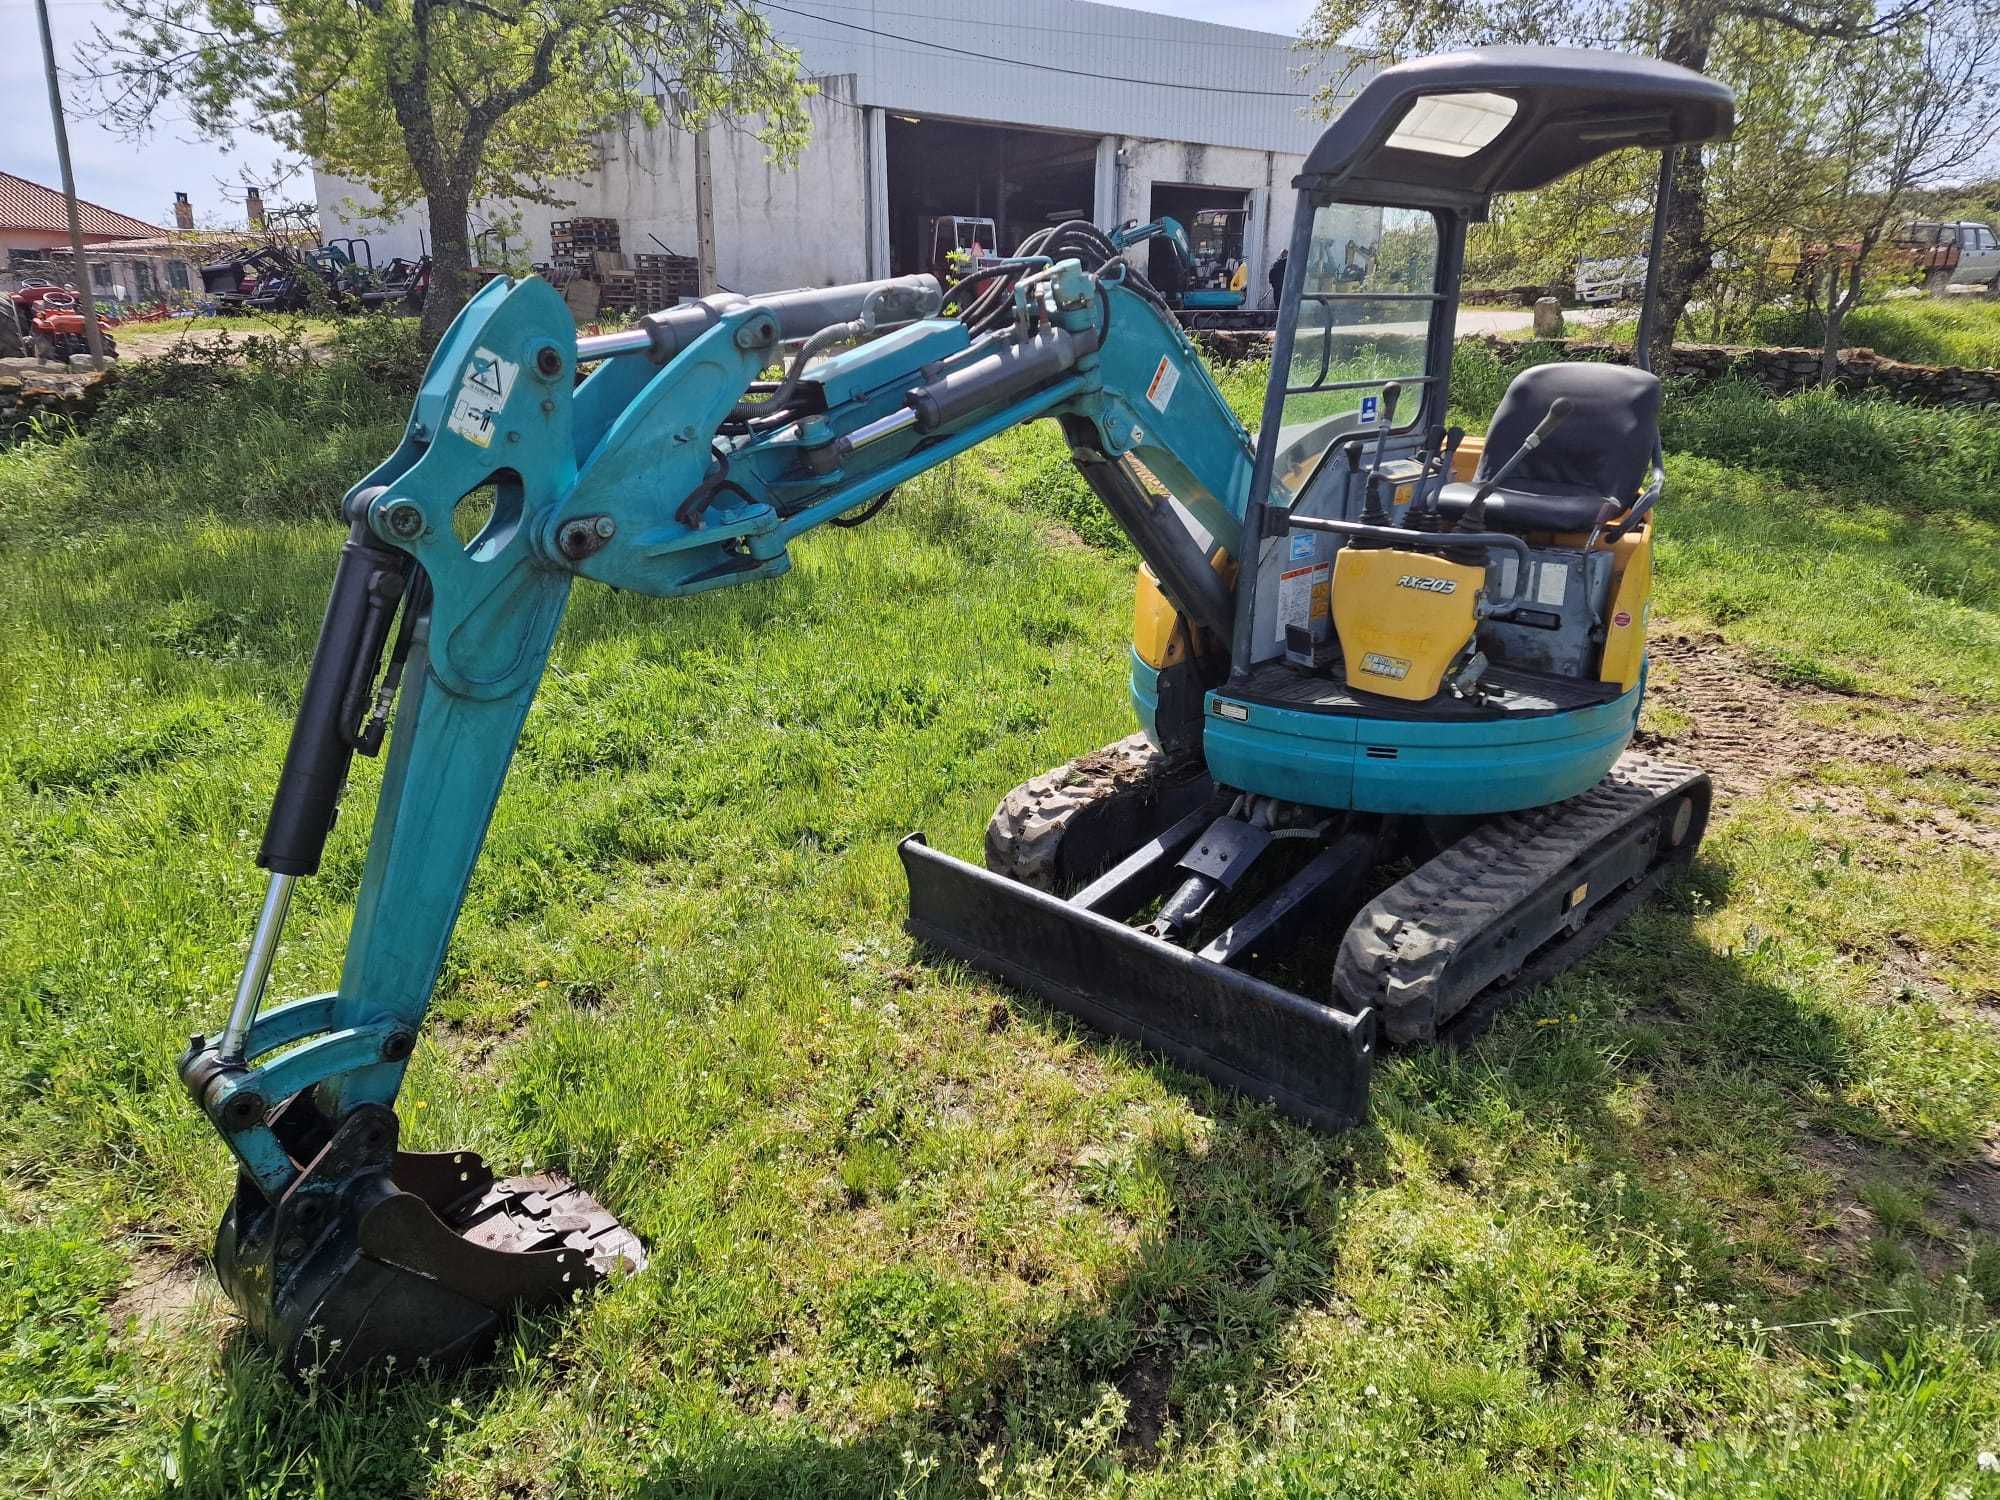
(1603, 449)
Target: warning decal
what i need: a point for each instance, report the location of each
(481, 396)
(1304, 595)
(1160, 390)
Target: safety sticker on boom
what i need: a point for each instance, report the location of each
(1160, 390)
(482, 394)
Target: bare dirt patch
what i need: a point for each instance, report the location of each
(1145, 1383)
(1960, 1201)
(1743, 728)
(163, 1296)
(1747, 730)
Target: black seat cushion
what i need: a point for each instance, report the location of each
(1602, 450)
(1542, 508)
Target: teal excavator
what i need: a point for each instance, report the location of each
(1385, 673)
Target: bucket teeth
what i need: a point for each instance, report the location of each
(377, 1258)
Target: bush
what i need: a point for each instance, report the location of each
(265, 425)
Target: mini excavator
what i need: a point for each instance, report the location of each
(1385, 673)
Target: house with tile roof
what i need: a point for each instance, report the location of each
(131, 260)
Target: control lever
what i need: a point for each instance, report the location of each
(1375, 513)
(1423, 514)
(1474, 518)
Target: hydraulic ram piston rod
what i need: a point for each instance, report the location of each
(257, 967)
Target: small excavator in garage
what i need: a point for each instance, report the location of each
(1359, 652)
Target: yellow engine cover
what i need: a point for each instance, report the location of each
(1402, 617)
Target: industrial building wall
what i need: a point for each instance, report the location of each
(1068, 65)
(803, 225)
(1137, 166)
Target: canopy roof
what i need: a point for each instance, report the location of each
(1453, 130)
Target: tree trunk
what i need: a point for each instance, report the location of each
(451, 262)
(1690, 35)
(1837, 305)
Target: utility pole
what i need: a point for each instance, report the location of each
(704, 215)
(92, 334)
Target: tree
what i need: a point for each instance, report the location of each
(448, 101)
(1896, 117)
(1705, 35)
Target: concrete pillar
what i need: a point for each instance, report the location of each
(704, 215)
(1548, 318)
(875, 177)
(1104, 188)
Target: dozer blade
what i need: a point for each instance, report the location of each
(1308, 1059)
(386, 1259)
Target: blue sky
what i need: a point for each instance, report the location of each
(141, 178)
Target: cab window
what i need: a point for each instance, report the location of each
(1366, 294)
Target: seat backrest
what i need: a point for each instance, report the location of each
(1605, 444)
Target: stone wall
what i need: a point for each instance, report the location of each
(1780, 371)
(24, 399)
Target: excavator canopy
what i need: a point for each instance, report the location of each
(1454, 131)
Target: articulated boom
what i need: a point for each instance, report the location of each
(671, 469)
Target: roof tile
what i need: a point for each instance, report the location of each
(29, 205)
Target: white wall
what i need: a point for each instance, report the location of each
(1265, 175)
(804, 225)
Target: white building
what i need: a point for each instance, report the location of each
(1024, 113)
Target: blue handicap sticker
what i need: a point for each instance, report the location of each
(1370, 405)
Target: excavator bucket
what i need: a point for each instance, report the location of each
(390, 1259)
(1308, 1059)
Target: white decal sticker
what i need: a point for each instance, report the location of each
(481, 396)
(1551, 583)
(1161, 390)
(1302, 546)
(1304, 595)
(1295, 586)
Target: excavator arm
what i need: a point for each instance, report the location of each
(672, 467)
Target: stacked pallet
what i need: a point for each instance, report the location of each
(618, 292)
(575, 239)
(662, 280)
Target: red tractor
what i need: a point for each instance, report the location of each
(46, 320)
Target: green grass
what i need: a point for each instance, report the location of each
(1955, 330)
(1687, 1222)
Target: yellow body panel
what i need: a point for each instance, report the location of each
(1159, 634)
(1465, 462)
(1155, 624)
(1402, 617)
(1631, 603)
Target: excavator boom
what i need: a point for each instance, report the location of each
(670, 468)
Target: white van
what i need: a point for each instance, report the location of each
(1963, 253)
(1611, 279)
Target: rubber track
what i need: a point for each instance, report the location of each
(1397, 954)
(1024, 835)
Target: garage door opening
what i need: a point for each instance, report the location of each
(1023, 180)
(1221, 239)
